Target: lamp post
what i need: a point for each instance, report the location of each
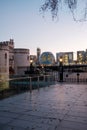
(31, 66)
(60, 69)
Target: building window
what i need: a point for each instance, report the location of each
(28, 58)
(5, 59)
(5, 55)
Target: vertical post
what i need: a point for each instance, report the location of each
(44, 81)
(78, 77)
(30, 85)
(44, 78)
(48, 80)
(38, 82)
(61, 70)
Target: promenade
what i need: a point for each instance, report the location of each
(57, 107)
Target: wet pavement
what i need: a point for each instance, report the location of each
(58, 107)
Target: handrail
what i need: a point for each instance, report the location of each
(27, 82)
(3, 80)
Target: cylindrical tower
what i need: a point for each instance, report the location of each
(4, 61)
(21, 60)
(38, 54)
(11, 57)
(4, 65)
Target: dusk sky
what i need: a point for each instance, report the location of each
(22, 21)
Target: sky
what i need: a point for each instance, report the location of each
(22, 21)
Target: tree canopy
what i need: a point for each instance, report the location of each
(76, 7)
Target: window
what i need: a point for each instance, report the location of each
(5, 55)
(5, 59)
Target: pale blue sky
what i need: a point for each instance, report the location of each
(22, 21)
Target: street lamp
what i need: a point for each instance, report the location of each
(31, 66)
(61, 69)
(31, 61)
(61, 60)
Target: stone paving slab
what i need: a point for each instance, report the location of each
(58, 107)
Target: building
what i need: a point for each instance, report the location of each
(38, 55)
(58, 55)
(47, 59)
(33, 59)
(4, 60)
(8, 45)
(67, 57)
(11, 56)
(86, 57)
(12, 60)
(81, 57)
(21, 60)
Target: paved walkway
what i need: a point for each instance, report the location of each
(58, 107)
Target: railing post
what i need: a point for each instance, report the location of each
(61, 70)
(48, 80)
(44, 78)
(30, 85)
(38, 82)
(77, 77)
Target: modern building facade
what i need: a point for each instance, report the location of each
(86, 56)
(67, 57)
(47, 59)
(81, 57)
(33, 59)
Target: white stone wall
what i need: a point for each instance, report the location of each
(21, 60)
(4, 62)
(11, 53)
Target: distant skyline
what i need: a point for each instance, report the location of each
(21, 20)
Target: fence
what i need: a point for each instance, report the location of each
(21, 84)
(31, 82)
(71, 77)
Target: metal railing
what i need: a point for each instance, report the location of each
(21, 84)
(31, 82)
(71, 77)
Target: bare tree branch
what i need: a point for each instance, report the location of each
(53, 6)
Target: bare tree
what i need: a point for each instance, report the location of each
(77, 7)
